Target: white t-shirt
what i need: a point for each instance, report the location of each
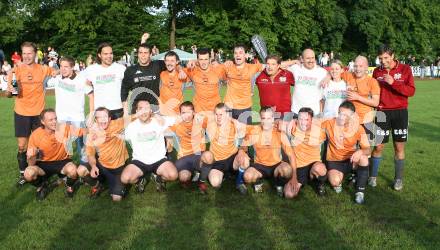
(106, 84)
(334, 94)
(307, 91)
(147, 139)
(69, 97)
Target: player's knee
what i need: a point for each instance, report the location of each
(70, 171)
(378, 149)
(127, 177)
(171, 174)
(116, 198)
(334, 179)
(184, 176)
(216, 181)
(82, 171)
(363, 161)
(30, 174)
(249, 177)
(289, 193)
(207, 157)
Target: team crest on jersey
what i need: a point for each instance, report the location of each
(283, 79)
(136, 79)
(138, 72)
(397, 76)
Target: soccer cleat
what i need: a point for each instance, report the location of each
(95, 191)
(359, 198)
(160, 184)
(196, 176)
(258, 187)
(398, 184)
(372, 181)
(280, 192)
(42, 191)
(338, 189)
(140, 185)
(21, 181)
(203, 188)
(321, 189)
(242, 189)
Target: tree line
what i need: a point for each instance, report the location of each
(347, 27)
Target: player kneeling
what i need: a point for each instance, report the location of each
(107, 153)
(146, 136)
(223, 156)
(307, 139)
(46, 155)
(345, 134)
(190, 144)
(268, 143)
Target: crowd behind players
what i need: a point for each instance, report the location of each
(333, 126)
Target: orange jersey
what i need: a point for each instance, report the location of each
(267, 145)
(171, 92)
(191, 137)
(109, 144)
(239, 91)
(222, 140)
(307, 145)
(49, 145)
(30, 100)
(365, 87)
(206, 85)
(343, 141)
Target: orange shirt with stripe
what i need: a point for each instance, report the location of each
(307, 145)
(206, 85)
(344, 141)
(365, 87)
(51, 146)
(171, 92)
(108, 144)
(267, 145)
(30, 100)
(222, 139)
(239, 90)
(191, 137)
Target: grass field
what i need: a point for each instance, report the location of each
(184, 219)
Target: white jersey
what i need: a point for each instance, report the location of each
(147, 140)
(69, 97)
(307, 91)
(334, 94)
(106, 84)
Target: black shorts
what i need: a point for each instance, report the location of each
(370, 131)
(394, 122)
(189, 162)
(113, 177)
(242, 115)
(24, 125)
(52, 167)
(266, 171)
(116, 113)
(342, 166)
(148, 168)
(303, 173)
(225, 165)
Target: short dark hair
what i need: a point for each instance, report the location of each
(348, 105)
(45, 111)
(30, 45)
(221, 105)
(384, 48)
(266, 109)
(203, 51)
(145, 46)
(307, 110)
(172, 53)
(68, 59)
(274, 57)
(186, 104)
(240, 45)
(100, 47)
(138, 101)
(103, 109)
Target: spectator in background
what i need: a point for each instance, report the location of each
(6, 67)
(89, 60)
(194, 49)
(438, 66)
(39, 55)
(126, 59)
(2, 58)
(324, 60)
(154, 51)
(431, 67)
(82, 66)
(422, 68)
(16, 58)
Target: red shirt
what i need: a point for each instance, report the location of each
(276, 93)
(395, 96)
(16, 58)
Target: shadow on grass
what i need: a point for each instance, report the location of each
(418, 220)
(425, 131)
(11, 209)
(99, 224)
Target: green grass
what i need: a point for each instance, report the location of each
(184, 219)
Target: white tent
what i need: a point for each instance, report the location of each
(184, 56)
